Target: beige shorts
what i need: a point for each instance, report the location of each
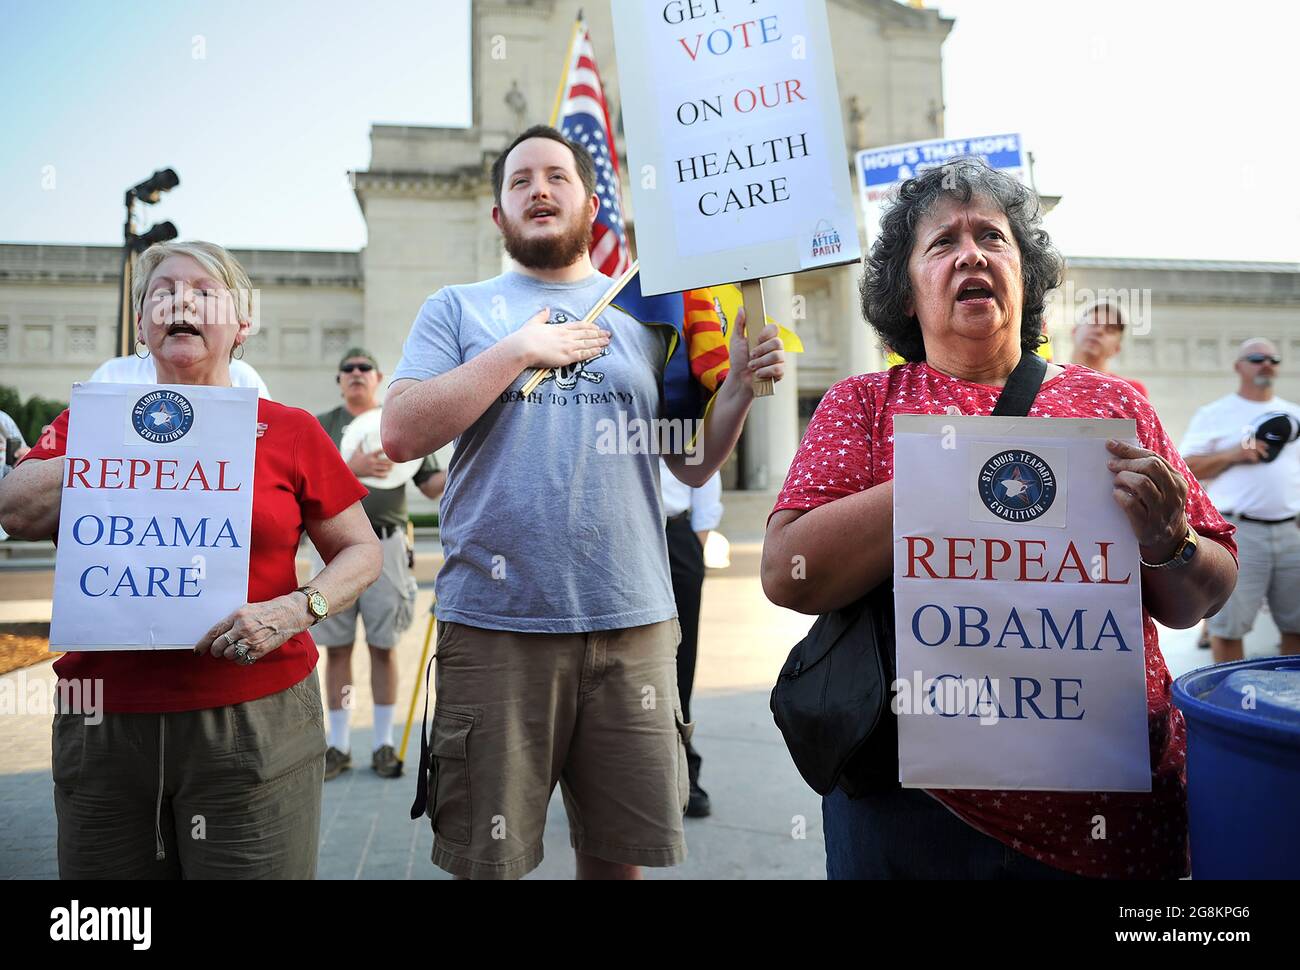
(386, 606)
(518, 712)
(1268, 570)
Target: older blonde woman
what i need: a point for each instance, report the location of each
(956, 283)
(208, 763)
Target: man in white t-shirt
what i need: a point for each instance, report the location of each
(9, 429)
(1252, 474)
(140, 370)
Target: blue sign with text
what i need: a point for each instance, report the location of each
(878, 167)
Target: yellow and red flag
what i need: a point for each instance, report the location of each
(710, 314)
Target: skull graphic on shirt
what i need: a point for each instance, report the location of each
(566, 377)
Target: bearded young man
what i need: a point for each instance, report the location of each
(557, 640)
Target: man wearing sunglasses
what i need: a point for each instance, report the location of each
(1240, 447)
(387, 607)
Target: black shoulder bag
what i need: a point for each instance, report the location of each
(832, 700)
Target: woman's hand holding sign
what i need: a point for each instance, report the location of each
(258, 627)
(1153, 495)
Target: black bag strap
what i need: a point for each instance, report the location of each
(1022, 386)
(422, 771)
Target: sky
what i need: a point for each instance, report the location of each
(1167, 128)
(262, 108)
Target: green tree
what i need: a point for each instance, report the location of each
(31, 416)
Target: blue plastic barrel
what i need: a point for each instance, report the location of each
(1243, 768)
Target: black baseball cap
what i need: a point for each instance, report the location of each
(1277, 430)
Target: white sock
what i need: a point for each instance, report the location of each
(340, 730)
(383, 725)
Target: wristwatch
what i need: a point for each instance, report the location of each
(1181, 557)
(317, 604)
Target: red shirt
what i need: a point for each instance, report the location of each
(1141, 388)
(848, 448)
(298, 474)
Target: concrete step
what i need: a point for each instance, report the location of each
(16, 554)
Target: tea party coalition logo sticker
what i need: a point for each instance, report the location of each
(162, 417)
(1017, 486)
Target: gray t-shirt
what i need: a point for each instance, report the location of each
(543, 529)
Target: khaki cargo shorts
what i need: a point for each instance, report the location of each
(518, 712)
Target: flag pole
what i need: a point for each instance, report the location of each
(568, 66)
(751, 292)
(610, 295)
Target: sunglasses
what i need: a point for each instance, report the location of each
(1262, 359)
(349, 368)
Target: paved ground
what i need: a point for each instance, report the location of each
(766, 822)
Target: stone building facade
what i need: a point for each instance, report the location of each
(58, 317)
(426, 199)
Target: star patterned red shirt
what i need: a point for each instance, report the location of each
(848, 448)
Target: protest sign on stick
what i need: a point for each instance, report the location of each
(1018, 602)
(751, 292)
(735, 141)
(155, 517)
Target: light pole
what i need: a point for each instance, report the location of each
(149, 192)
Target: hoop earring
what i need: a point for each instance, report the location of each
(237, 356)
(141, 343)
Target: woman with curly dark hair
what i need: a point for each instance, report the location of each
(956, 284)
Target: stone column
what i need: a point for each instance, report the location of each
(772, 430)
(861, 348)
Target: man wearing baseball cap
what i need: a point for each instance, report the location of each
(387, 607)
(1242, 448)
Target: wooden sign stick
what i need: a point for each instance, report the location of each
(751, 292)
(610, 295)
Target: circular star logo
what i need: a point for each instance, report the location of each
(161, 417)
(1017, 486)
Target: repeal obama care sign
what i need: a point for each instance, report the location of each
(1018, 595)
(156, 515)
(735, 139)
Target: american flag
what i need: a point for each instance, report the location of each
(583, 115)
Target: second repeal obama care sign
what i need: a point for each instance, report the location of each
(1019, 607)
(735, 142)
